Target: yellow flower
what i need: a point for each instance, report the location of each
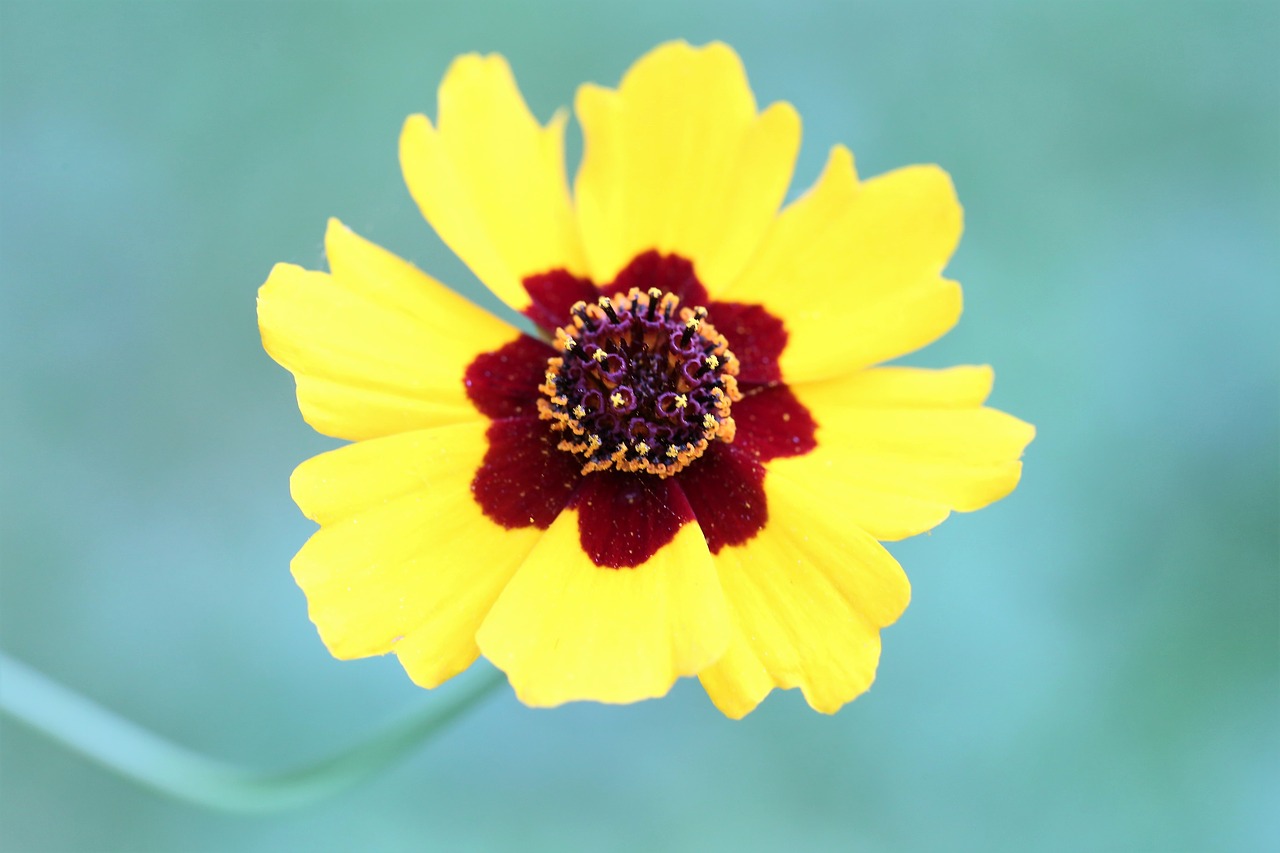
(690, 469)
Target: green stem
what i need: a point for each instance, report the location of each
(138, 754)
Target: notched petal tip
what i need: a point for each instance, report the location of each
(278, 275)
(1029, 431)
(416, 135)
(335, 229)
(415, 124)
(283, 283)
(592, 100)
(430, 672)
(305, 482)
(679, 61)
(831, 704)
(558, 121)
(737, 683)
(955, 294)
(682, 50)
(930, 192)
(1004, 478)
(780, 122)
(473, 62)
(485, 71)
(676, 62)
(736, 712)
(336, 236)
(984, 376)
(841, 166)
(834, 188)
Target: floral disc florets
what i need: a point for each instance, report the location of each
(643, 385)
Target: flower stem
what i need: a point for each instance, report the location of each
(148, 759)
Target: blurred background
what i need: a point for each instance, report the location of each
(1092, 664)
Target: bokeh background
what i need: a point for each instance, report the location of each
(1093, 664)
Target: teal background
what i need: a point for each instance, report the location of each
(1092, 664)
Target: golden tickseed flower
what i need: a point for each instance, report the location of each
(689, 470)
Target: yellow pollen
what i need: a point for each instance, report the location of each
(642, 448)
(713, 362)
(681, 401)
(708, 420)
(600, 355)
(604, 302)
(693, 323)
(579, 412)
(569, 343)
(617, 400)
(655, 293)
(672, 452)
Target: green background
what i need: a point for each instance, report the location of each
(1093, 664)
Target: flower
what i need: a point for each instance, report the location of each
(690, 467)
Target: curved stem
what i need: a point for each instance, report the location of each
(138, 754)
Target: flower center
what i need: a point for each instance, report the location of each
(643, 385)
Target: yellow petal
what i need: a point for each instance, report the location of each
(809, 594)
(565, 629)
(404, 561)
(822, 346)
(738, 682)
(854, 269)
(376, 346)
(903, 447)
(677, 159)
(491, 180)
(909, 387)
